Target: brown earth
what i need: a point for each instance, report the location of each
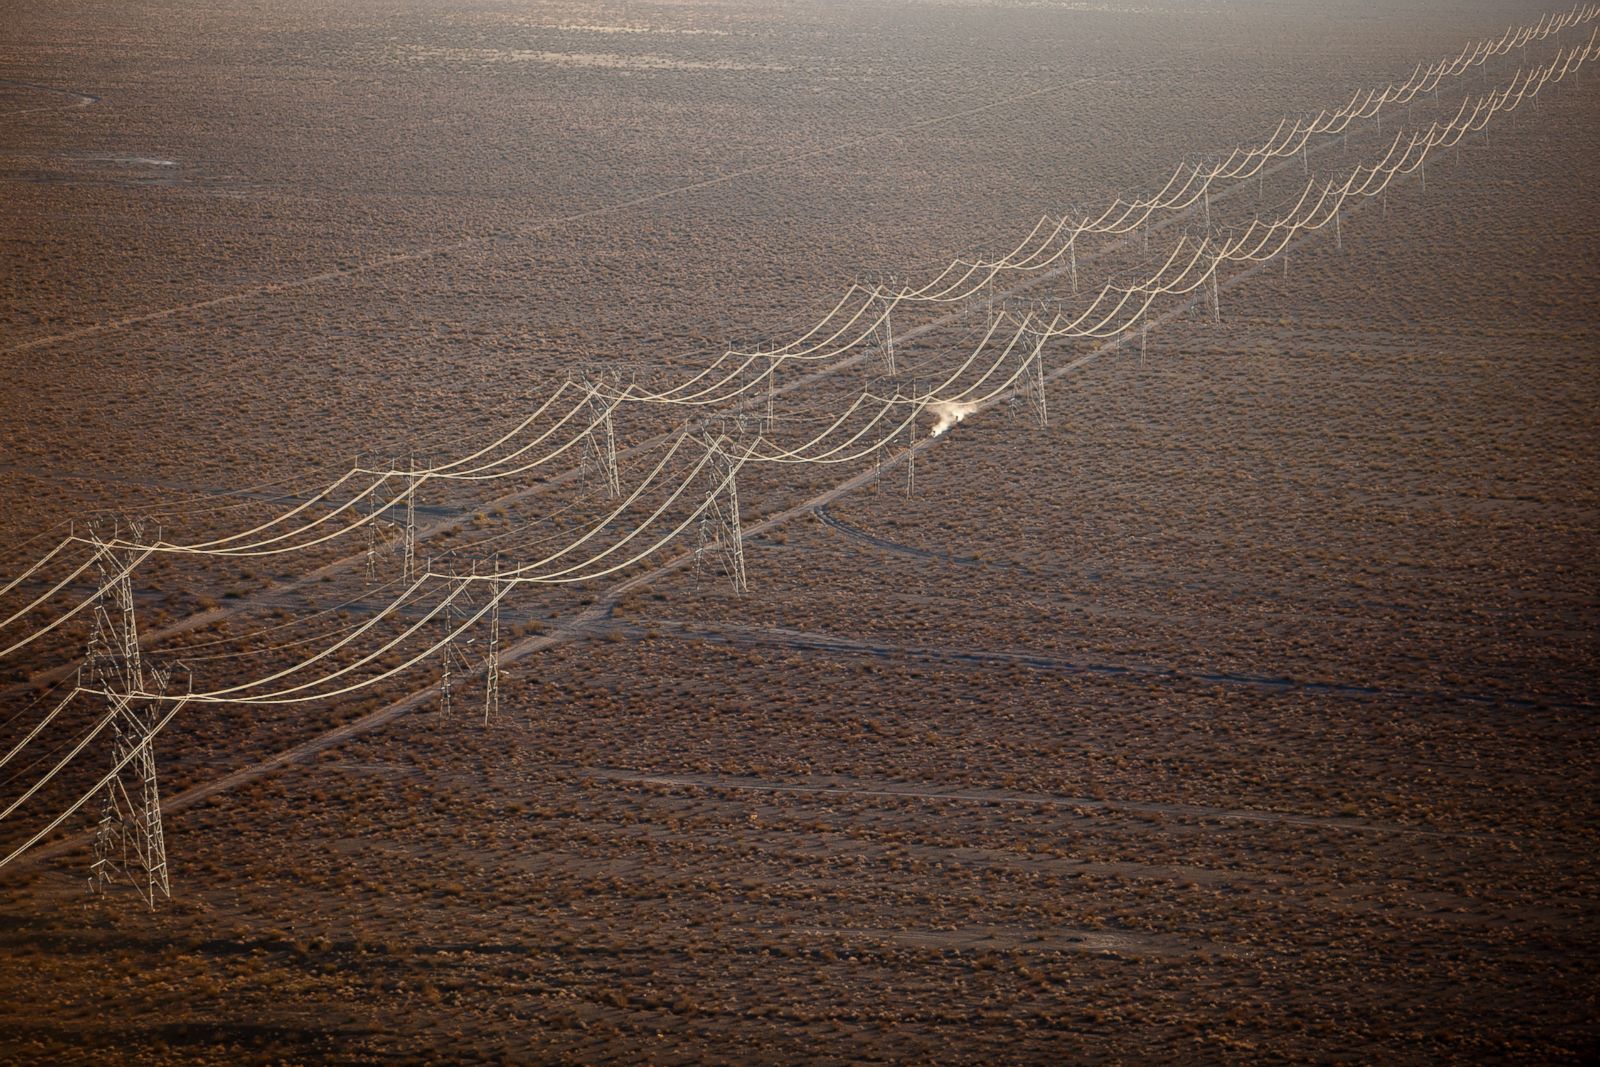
(1246, 713)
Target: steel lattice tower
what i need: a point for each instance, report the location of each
(409, 567)
(129, 838)
(600, 442)
(491, 666)
(719, 520)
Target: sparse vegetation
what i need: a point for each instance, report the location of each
(1243, 714)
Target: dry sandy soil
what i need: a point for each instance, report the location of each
(1246, 713)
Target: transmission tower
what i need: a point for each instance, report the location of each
(600, 442)
(129, 840)
(911, 442)
(883, 334)
(1031, 385)
(767, 419)
(915, 391)
(920, 390)
(409, 568)
(1029, 392)
(719, 518)
(372, 551)
(113, 655)
(372, 531)
(448, 616)
(491, 665)
(911, 457)
(449, 657)
(993, 310)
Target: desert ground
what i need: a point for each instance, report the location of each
(1245, 712)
